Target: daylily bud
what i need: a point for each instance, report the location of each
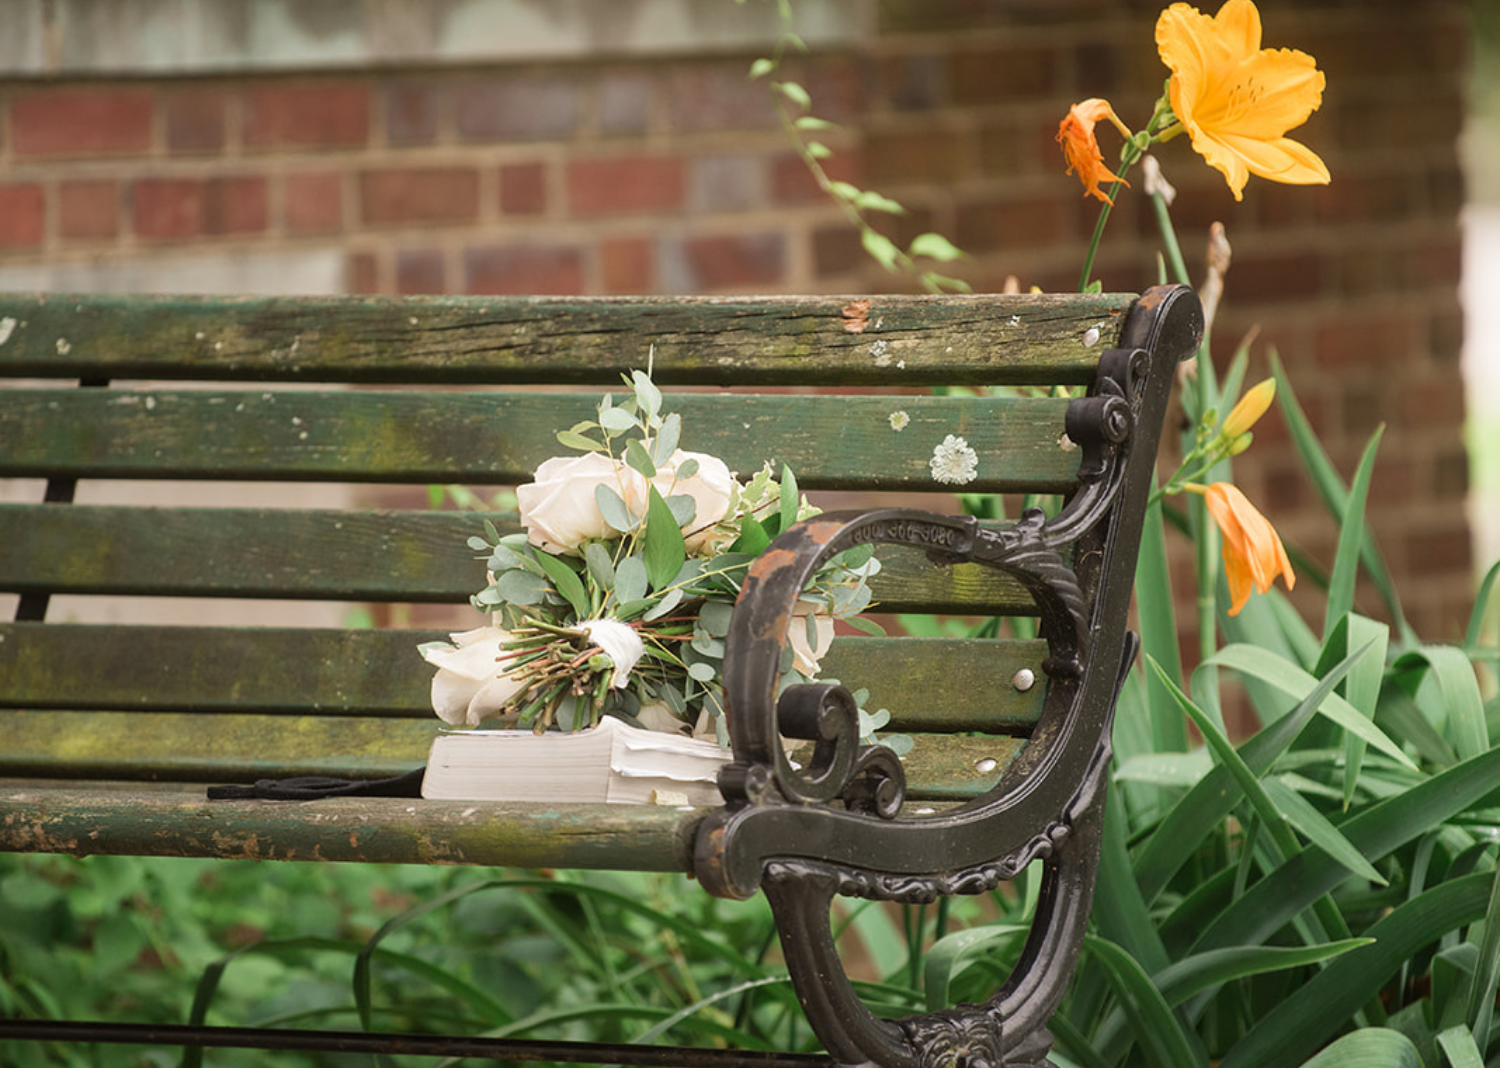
(1248, 411)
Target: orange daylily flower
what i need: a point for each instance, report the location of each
(1253, 553)
(1237, 100)
(1076, 134)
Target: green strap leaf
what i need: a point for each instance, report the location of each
(1351, 539)
(1161, 1036)
(665, 550)
(1369, 1047)
(1292, 680)
(566, 581)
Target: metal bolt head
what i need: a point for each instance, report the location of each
(1024, 680)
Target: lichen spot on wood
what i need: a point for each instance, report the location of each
(856, 316)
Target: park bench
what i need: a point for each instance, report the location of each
(111, 731)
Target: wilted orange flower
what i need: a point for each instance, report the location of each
(1253, 553)
(1237, 100)
(1076, 135)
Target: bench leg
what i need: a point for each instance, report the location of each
(1008, 1030)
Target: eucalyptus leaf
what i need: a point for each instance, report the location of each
(617, 420)
(714, 617)
(574, 440)
(631, 583)
(665, 442)
(638, 458)
(646, 394)
(668, 601)
(521, 587)
(684, 509)
(601, 565)
(702, 672)
(614, 510)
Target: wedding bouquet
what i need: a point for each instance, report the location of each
(616, 599)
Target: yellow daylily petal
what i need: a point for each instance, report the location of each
(1237, 100)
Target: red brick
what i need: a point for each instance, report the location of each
(1367, 341)
(195, 119)
(732, 261)
(23, 215)
(167, 208)
(512, 108)
(81, 122)
(793, 183)
(362, 273)
(926, 154)
(313, 203)
(309, 114)
(1013, 222)
(524, 269)
(419, 195)
(718, 97)
(628, 265)
(999, 75)
(625, 184)
(411, 113)
(180, 208)
(238, 205)
(523, 189)
(88, 208)
(420, 271)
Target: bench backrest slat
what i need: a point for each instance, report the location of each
(458, 340)
(382, 556)
(477, 436)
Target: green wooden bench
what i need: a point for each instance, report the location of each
(111, 731)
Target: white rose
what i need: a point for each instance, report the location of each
(658, 717)
(805, 654)
(711, 487)
(469, 684)
(558, 508)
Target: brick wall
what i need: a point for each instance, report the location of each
(623, 174)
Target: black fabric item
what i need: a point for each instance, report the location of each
(312, 787)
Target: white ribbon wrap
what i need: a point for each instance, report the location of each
(620, 643)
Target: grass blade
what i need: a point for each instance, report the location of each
(1296, 1027)
(1293, 681)
(1196, 815)
(1265, 907)
(1330, 487)
(1351, 539)
(1166, 1043)
(1369, 1047)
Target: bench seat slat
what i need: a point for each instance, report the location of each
(712, 341)
(349, 556)
(160, 746)
(500, 438)
(376, 676)
(144, 819)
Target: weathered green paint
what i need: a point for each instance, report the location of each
(376, 676)
(358, 556)
(83, 818)
(881, 340)
(96, 718)
(488, 437)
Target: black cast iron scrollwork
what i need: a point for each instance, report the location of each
(832, 826)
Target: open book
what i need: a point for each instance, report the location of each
(610, 762)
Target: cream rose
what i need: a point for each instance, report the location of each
(558, 508)
(806, 655)
(711, 487)
(469, 685)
